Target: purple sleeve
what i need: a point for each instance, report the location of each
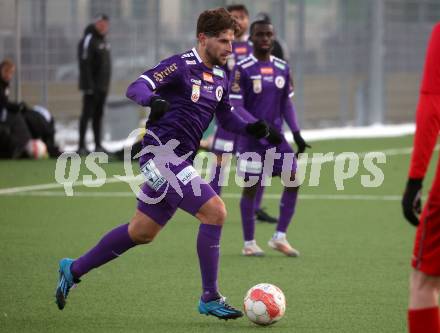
(140, 92)
(228, 118)
(289, 112)
(167, 72)
(236, 89)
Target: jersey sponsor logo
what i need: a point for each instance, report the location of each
(160, 76)
(241, 50)
(280, 81)
(268, 78)
(280, 65)
(219, 72)
(187, 174)
(257, 86)
(236, 84)
(208, 88)
(199, 82)
(187, 55)
(219, 93)
(190, 62)
(266, 70)
(195, 94)
(155, 180)
(208, 77)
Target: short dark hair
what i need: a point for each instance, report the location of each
(101, 16)
(7, 63)
(264, 22)
(237, 7)
(213, 21)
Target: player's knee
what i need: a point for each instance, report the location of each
(216, 212)
(423, 283)
(141, 230)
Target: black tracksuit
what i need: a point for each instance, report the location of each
(14, 132)
(94, 81)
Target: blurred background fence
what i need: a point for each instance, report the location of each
(355, 62)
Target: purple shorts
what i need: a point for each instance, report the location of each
(224, 141)
(256, 159)
(169, 186)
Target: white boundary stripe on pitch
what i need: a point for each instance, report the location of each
(109, 180)
(125, 194)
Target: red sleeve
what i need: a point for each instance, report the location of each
(427, 130)
(431, 73)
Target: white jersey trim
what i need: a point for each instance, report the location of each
(149, 81)
(196, 54)
(234, 96)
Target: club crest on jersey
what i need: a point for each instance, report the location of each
(236, 84)
(208, 77)
(219, 93)
(266, 70)
(280, 81)
(195, 94)
(257, 86)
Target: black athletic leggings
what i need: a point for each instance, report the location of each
(93, 108)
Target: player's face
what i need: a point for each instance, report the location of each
(102, 26)
(8, 74)
(243, 21)
(219, 48)
(262, 37)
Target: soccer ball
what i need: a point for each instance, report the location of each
(36, 149)
(264, 304)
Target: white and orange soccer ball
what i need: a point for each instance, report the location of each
(264, 304)
(36, 149)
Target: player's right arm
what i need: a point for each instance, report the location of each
(143, 91)
(236, 97)
(86, 52)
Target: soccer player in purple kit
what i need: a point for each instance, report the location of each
(224, 141)
(261, 84)
(183, 91)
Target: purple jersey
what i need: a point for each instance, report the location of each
(194, 91)
(264, 89)
(240, 51)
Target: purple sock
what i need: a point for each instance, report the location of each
(215, 183)
(208, 249)
(247, 207)
(287, 209)
(111, 246)
(259, 196)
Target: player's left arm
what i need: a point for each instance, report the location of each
(289, 115)
(232, 121)
(425, 138)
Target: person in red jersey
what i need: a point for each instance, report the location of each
(423, 311)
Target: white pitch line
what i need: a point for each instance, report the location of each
(124, 194)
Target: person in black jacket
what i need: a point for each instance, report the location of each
(94, 78)
(20, 124)
(14, 133)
